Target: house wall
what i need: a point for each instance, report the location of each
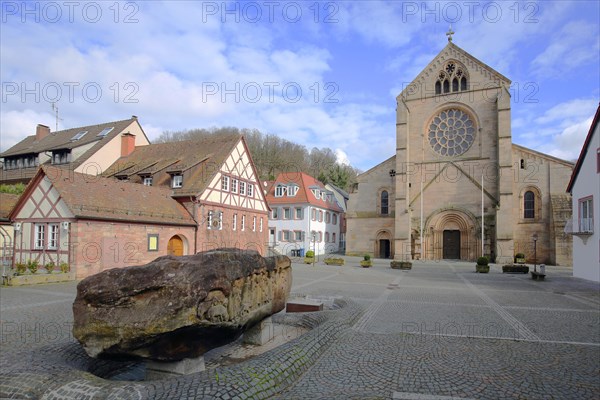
(586, 248)
(305, 225)
(100, 245)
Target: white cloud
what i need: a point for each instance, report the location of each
(341, 157)
(567, 144)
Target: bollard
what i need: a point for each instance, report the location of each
(543, 269)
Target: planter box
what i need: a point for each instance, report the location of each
(366, 264)
(401, 265)
(334, 261)
(482, 269)
(20, 280)
(309, 260)
(515, 269)
(520, 260)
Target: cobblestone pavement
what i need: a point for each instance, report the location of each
(438, 331)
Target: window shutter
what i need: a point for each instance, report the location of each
(279, 236)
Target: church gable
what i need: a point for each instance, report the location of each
(455, 68)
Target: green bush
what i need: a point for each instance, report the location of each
(21, 268)
(482, 261)
(367, 257)
(310, 254)
(64, 267)
(33, 266)
(519, 255)
(50, 267)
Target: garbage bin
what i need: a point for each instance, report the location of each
(543, 269)
(302, 252)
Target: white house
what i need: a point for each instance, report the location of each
(304, 216)
(585, 191)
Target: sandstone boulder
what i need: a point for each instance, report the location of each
(178, 307)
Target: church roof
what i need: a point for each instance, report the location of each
(584, 149)
(452, 51)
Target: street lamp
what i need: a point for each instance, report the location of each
(535, 238)
(314, 238)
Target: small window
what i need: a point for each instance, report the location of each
(253, 224)
(333, 238)
(327, 218)
(529, 205)
(234, 224)
(522, 164)
(280, 191)
(438, 87)
(298, 236)
(177, 181)
(39, 239)
(287, 213)
(463, 84)
(385, 203)
(78, 136)
(298, 213)
(286, 236)
(225, 183)
(242, 186)
(586, 215)
(292, 190)
(314, 214)
(320, 216)
(243, 223)
(261, 224)
(455, 85)
(275, 213)
(234, 185)
(446, 86)
(326, 237)
(105, 132)
(53, 236)
(209, 220)
(148, 181)
(335, 219)
(250, 190)
(320, 236)
(153, 242)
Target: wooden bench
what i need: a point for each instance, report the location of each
(537, 276)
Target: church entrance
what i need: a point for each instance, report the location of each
(384, 248)
(451, 245)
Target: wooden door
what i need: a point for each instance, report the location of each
(175, 246)
(451, 245)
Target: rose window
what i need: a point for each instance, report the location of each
(451, 133)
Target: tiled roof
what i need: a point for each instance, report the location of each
(97, 197)
(63, 140)
(305, 195)
(198, 159)
(7, 202)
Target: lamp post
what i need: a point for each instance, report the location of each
(314, 239)
(535, 238)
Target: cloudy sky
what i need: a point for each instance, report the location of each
(322, 74)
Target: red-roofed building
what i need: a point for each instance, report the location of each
(304, 215)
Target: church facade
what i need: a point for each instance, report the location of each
(457, 174)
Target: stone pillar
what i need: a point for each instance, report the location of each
(504, 215)
(156, 370)
(260, 333)
(404, 169)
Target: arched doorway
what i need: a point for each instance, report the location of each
(450, 235)
(384, 245)
(175, 246)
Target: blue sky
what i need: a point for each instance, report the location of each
(317, 73)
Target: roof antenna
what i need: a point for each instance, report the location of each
(55, 109)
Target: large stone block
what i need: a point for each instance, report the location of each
(178, 307)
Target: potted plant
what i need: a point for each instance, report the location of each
(33, 266)
(64, 267)
(520, 258)
(50, 267)
(366, 261)
(309, 257)
(482, 265)
(401, 264)
(334, 261)
(21, 268)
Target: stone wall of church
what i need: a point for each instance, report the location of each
(545, 177)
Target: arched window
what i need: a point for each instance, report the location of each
(446, 86)
(463, 83)
(384, 203)
(455, 85)
(453, 76)
(438, 87)
(529, 205)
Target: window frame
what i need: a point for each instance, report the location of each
(384, 209)
(147, 180)
(242, 188)
(39, 240)
(53, 237)
(287, 213)
(234, 185)
(177, 181)
(250, 189)
(225, 183)
(298, 213)
(588, 225)
(529, 205)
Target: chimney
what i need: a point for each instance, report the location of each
(127, 144)
(41, 132)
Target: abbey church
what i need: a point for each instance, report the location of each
(457, 174)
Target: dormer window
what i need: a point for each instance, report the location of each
(105, 132)
(147, 181)
(78, 136)
(316, 193)
(61, 157)
(280, 190)
(452, 76)
(177, 181)
(292, 190)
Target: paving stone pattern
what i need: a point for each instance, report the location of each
(438, 331)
